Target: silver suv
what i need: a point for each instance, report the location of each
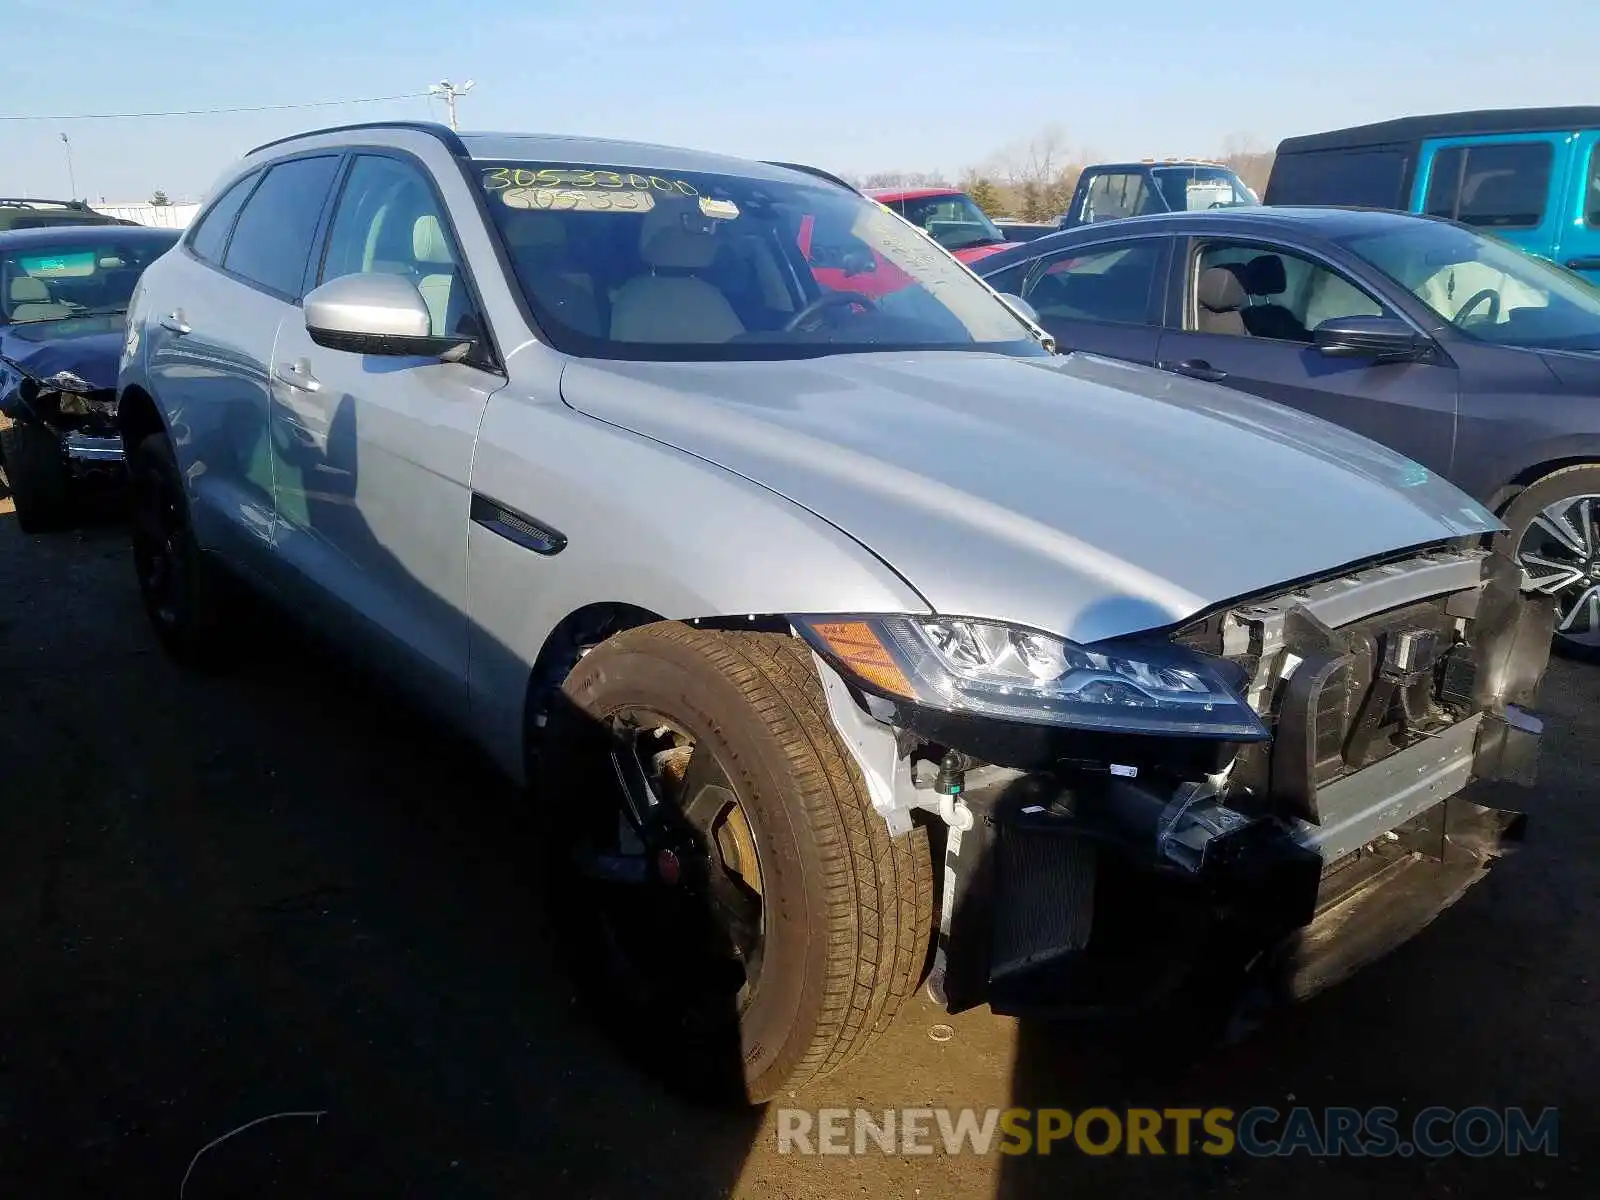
(848, 636)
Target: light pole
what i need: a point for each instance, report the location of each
(450, 91)
(72, 179)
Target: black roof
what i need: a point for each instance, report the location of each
(1460, 124)
(1256, 218)
(47, 235)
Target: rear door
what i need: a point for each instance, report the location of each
(1102, 297)
(1579, 247)
(1510, 186)
(215, 319)
(1263, 345)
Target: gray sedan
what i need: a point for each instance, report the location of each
(1464, 354)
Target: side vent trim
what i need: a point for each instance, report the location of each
(515, 527)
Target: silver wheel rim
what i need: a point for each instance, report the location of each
(1560, 556)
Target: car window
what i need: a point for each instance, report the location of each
(1103, 283)
(1503, 185)
(1486, 289)
(1591, 195)
(211, 232)
(1250, 290)
(1114, 195)
(389, 221)
(618, 262)
(952, 220)
(272, 239)
(1187, 189)
(87, 273)
(1010, 279)
(1363, 178)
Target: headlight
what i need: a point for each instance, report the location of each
(1004, 671)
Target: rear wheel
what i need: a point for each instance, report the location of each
(1554, 533)
(182, 591)
(41, 484)
(738, 912)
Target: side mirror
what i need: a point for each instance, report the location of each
(373, 313)
(1020, 306)
(1383, 339)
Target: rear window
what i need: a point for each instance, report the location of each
(1362, 178)
(1500, 186)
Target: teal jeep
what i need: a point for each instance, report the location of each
(1530, 176)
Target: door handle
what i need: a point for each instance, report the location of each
(1583, 264)
(298, 375)
(1194, 368)
(173, 322)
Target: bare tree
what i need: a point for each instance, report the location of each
(906, 179)
(1039, 174)
(1244, 153)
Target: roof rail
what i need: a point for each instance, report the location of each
(448, 136)
(817, 171)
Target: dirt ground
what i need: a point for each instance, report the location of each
(278, 893)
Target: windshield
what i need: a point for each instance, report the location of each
(1187, 189)
(953, 220)
(89, 275)
(617, 263)
(1485, 288)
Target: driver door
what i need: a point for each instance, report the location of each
(372, 454)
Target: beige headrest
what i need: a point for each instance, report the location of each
(665, 240)
(536, 231)
(25, 289)
(428, 243)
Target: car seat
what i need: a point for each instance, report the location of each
(1221, 294)
(1264, 275)
(538, 245)
(438, 279)
(30, 301)
(670, 302)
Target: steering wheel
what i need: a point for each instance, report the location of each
(1489, 294)
(807, 315)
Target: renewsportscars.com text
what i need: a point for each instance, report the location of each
(1261, 1132)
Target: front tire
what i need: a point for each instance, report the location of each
(181, 589)
(41, 484)
(1554, 535)
(730, 728)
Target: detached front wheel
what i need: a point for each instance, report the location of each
(738, 912)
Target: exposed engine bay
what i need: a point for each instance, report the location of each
(70, 399)
(1088, 871)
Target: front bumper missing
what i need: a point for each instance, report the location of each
(1062, 909)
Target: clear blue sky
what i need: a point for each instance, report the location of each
(855, 86)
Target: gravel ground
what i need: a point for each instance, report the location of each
(279, 893)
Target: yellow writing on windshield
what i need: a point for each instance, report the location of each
(571, 199)
(499, 179)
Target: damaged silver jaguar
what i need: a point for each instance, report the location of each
(63, 291)
(848, 636)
